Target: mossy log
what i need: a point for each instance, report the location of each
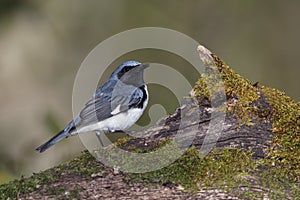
(256, 156)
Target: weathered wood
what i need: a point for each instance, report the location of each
(256, 137)
(197, 116)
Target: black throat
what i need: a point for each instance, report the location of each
(140, 104)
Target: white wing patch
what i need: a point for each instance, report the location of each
(116, 110)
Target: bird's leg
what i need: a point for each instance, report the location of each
(130, 133)
(99, 138)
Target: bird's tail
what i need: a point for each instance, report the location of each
(58, 137)
(61, 135)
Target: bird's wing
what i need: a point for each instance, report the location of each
(96, 109)
(106, 103)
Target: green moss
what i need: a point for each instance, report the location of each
(279, 187)
(283, 161)
(193, 172)
(26, 185)
(123, 143)
(142, 158)
(84, 166)
(284, 155)
(228, 169)
(284, 115)
(238, 89)
(74, 194)
(55, 191)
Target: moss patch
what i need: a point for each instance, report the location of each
(192, 171)
(239, 91)
(282, 165)
(83, 166)
(233, 171)
(284, 156)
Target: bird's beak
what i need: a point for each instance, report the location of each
(145, 65)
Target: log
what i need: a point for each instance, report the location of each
(250, 151)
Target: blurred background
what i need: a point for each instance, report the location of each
(43, 43)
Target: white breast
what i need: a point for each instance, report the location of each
(120, 121)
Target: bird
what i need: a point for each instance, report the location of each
(114, 106)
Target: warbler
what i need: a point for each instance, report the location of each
(114, 106)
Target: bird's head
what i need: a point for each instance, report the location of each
(130, 72)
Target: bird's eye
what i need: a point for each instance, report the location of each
(126, 69)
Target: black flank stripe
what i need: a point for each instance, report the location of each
(140, 105)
